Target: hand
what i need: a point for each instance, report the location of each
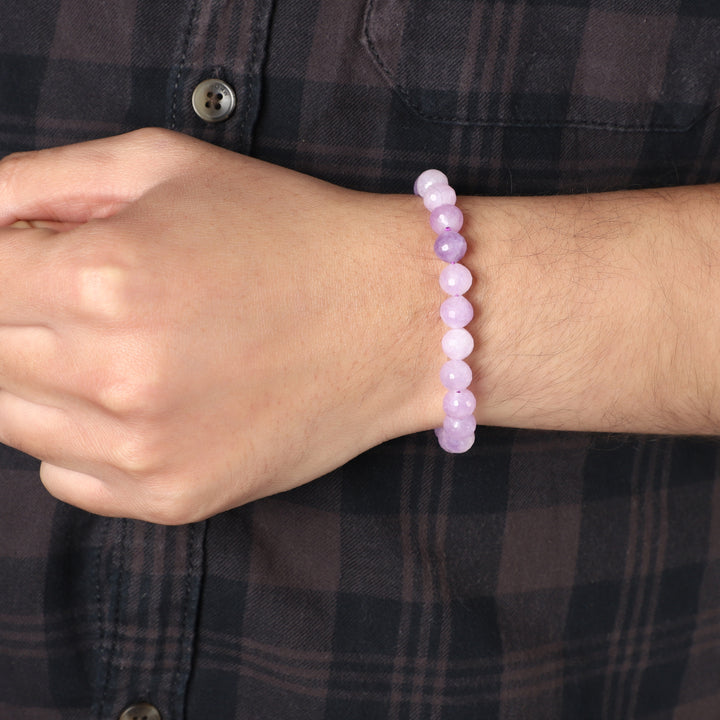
(183, 329)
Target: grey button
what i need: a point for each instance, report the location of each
(213, 100)
(140, 711)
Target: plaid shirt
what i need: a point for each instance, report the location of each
(541, 575)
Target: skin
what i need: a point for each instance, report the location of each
(183, 329)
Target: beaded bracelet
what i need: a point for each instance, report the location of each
(457, 433)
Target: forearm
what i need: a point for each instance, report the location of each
(595, 312)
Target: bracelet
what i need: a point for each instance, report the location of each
(457, 433)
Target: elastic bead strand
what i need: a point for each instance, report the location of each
(457, 433)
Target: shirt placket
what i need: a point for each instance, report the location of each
(147, 588)
(225, 45)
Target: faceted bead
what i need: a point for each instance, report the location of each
(455, 279)
(460, 427)
(457, 343)
(427, 179)
(446, 216)
(456, 312)
(459, 403)
(455, 375)
(450, 246)
(449, 443)
(438, 195)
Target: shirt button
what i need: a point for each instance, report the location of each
(140, 711)
(213, 100)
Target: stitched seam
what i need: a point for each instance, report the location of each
(189, 549)
(115, 594)
(181, 66)
(101, 632)
(407, 98)
(258, 38)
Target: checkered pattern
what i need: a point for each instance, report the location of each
(540, 576)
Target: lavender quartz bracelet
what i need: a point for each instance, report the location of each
(457, 433)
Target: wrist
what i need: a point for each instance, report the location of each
(589, 311)
(403, 321)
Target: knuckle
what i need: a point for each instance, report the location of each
(169, 502)
(131, 395)
(131, 381)
(172, 514)
(102, 292)
(136, 455)
(160, 494)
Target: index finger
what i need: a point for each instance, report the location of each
(89, 180)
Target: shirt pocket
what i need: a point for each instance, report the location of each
(590, 64)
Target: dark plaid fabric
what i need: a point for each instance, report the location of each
(543, 575)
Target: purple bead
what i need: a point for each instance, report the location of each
(460, 427)
(427, 179)
(446, 216)
(455, 279)
(456, 312)
(457, 343)
(459, 403)
(450, 246)
(438, 195)
(451, 444)
(455, 375)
